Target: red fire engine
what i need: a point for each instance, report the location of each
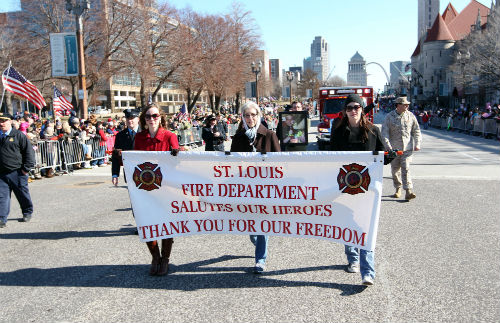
(331, 102)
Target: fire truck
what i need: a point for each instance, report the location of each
(331, 103)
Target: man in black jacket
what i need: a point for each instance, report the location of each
(124, 141)
(16, 160)
(213, 134)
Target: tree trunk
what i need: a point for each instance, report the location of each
(217, 103)
(237, 102)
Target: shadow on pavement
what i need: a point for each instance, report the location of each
(68, 234)
(136, 276)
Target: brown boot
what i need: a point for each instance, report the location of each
(409, 195)
(50, 173)
(155, 252)
(397, 194)
(166, 249)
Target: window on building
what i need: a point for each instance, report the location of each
(176, 97)
(165, 97)
(117, 104)
(123, 93)
(117, 93)
(170, 97)
(132, 103)
(131, 94)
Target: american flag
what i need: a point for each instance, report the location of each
(61, 104)
(14, 82)
(182, 113)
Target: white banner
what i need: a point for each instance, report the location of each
(325, 195)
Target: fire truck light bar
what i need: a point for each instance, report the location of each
(345, 91)
(324, 92)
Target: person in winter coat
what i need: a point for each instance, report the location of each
(252, 136)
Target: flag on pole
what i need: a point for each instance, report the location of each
(182, 113)
(150, 99)
(61, 105)
(14, 82)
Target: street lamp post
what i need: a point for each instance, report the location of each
(256, 68)
(289, 77)
(462, 60)
(79, 8)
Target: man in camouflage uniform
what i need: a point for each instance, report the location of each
(401, 131)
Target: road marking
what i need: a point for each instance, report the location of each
(470, 156)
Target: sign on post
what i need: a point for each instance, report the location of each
(64, 52)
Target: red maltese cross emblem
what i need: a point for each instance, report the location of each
(147, 176)
(353, 179)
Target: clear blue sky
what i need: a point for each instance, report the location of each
(381, 30)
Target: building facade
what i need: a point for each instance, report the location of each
(318, 62)
(427, 12)
(356, 72)
(432, 78)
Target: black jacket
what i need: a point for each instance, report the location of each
(213, 143)
(16, 152)
(340, 140)
(123, 142)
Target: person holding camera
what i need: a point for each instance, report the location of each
(213, 134)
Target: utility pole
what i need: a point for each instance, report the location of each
(79, 8)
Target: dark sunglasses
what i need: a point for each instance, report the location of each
(349, 108)
(152, 116)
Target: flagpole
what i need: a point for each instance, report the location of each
(53, 111)
(3, 93)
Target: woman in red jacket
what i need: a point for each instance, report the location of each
(155, 137)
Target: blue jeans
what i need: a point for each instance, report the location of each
(98, 153)
(260, 243)
(367, 263)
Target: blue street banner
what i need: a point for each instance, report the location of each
(64, 52)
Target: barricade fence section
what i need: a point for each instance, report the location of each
(47, 155)
(476, 126)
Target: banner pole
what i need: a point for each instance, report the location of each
(3, 92)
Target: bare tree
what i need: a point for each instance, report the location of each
(105, 32)
(477, 60)
(336, 80)
(309, 81)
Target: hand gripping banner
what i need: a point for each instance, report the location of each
(324, 195)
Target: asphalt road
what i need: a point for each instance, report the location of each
(437, 257)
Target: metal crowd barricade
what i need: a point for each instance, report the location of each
(232, 129)
(478, 125)
(469, 125)
(72, 151)
(444, 123)
(98, 150)
(48, 155)
(189, 137)
(490, 127)
(435, 122)
(459, 123)
(197, 135)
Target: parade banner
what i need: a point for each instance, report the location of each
(324, 195)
